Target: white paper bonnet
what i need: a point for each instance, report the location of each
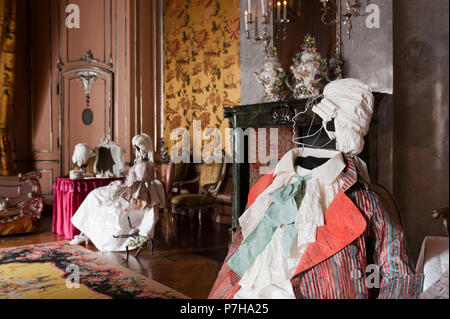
(144, 144)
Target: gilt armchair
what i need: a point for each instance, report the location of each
(175, 178)
(210, 181)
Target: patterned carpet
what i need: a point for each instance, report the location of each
(58, 270)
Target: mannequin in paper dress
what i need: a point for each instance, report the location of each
(110, 215)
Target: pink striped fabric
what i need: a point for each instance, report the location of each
(346, 273)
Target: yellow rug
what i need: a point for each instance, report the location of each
(58, 270)
(41, 281)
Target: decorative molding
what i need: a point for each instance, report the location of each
(282, 115)
(88, 57)
(88, 78)
(59, 64)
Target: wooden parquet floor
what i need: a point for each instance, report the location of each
(187, 260)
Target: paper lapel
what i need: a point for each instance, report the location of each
(343, 223)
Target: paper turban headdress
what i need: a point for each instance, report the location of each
(350, 103)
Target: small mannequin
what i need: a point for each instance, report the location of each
(130, 207)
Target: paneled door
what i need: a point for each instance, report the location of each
(81, 83)
(86, 76)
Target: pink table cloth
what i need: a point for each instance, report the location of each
(68, 195)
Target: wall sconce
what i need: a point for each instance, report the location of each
(251, 19)
(266, 7)
(280, 8)
(351, 10)
(281, 21)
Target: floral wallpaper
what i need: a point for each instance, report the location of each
(201, 63)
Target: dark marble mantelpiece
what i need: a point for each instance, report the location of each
(267, 114)
(270, 114)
